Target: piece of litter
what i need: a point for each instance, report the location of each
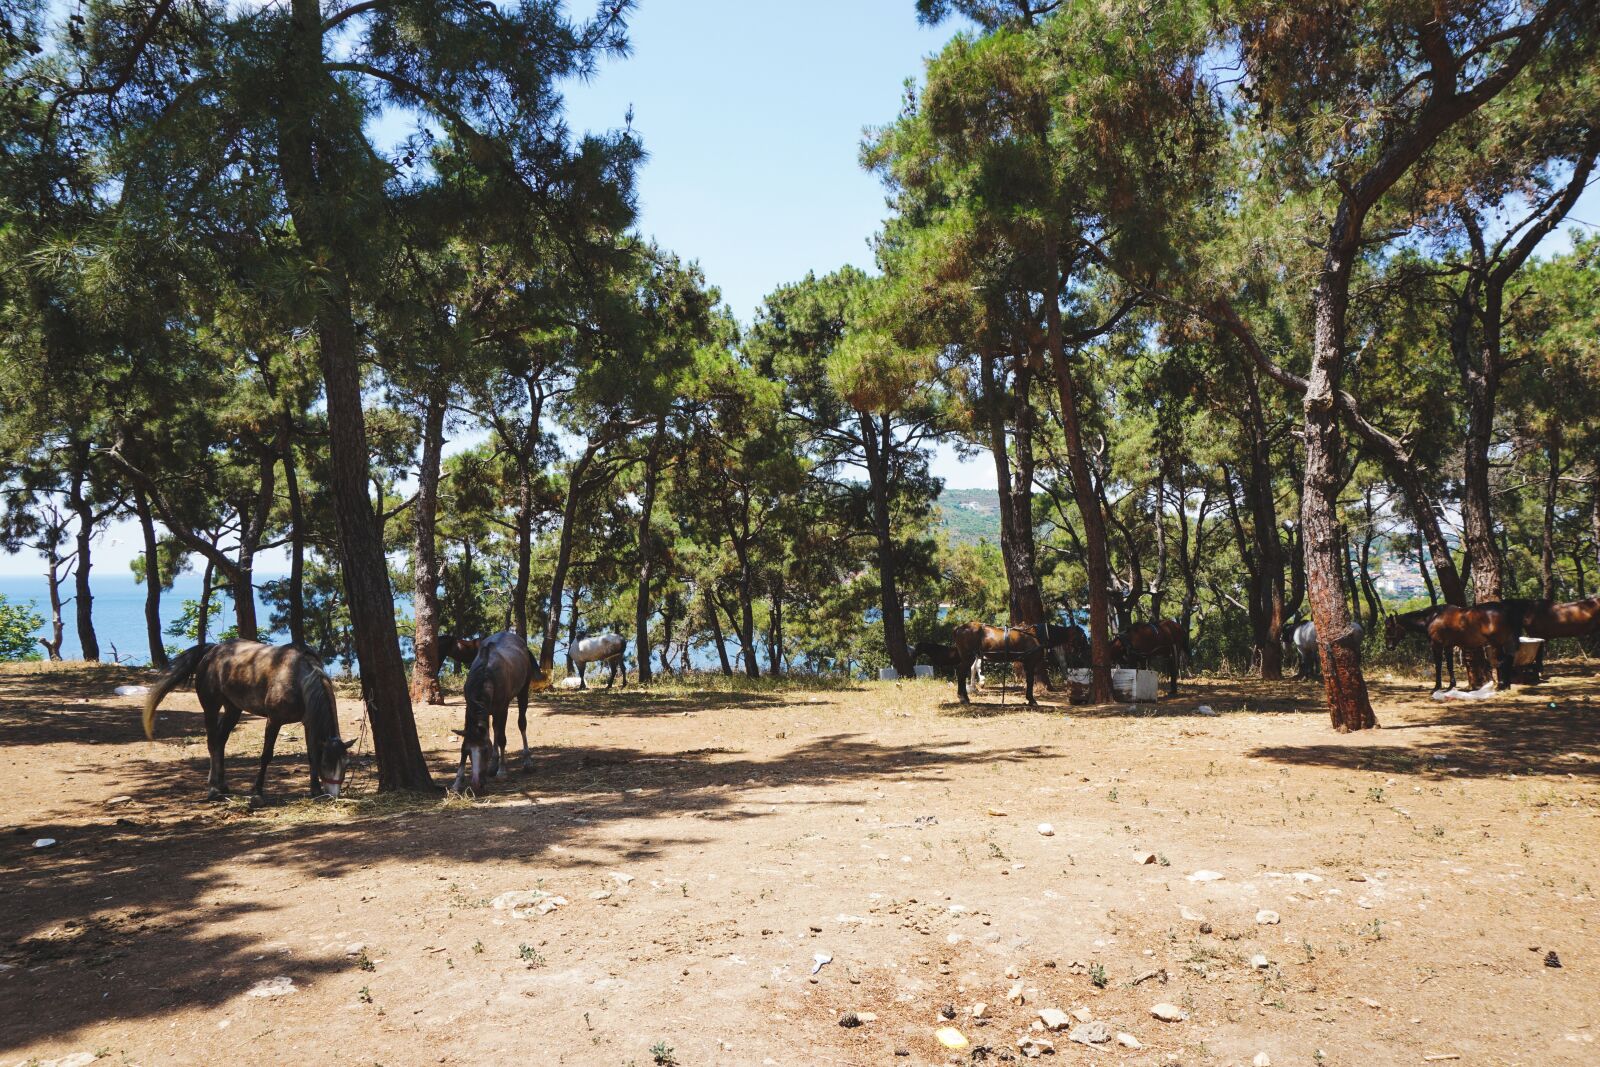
(950, 1037)
(1206, 709)
(44, 842)
(819, 961)
(1046, 830)
(131, 690)
(1205, 876)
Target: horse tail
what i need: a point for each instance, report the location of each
(318, 701)
(182, 670)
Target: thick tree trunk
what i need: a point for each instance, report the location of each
(310, 167)
(647, 553)
(1017, 551)
(424, 554)
(710, 600)
(746, 625)
(1083, 488)
(547, 651)
(52, 645)
(152, 581)
(88, 643)
(1337, 645)
(1268, 578)
(875, 436)
(1480, 379)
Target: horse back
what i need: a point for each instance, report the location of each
(256, 677)
(505, 660)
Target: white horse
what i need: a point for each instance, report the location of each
(607, 648)
(1304, 638)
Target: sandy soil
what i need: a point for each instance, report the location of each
(708, 845)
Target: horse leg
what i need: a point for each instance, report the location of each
(612, 677)
(259, 792)
(522, 727)
(963, 668)
(1029, 667)
(1508, 665)
(622, 665)
(216, 789)
(461, 770)
(1174, 671)
(582, 669)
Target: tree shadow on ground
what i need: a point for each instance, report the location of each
(122, 918)
(1502, 736)
(639, 703)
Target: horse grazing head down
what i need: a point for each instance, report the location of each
(1394, 632)
(476, 744)
(333, 764)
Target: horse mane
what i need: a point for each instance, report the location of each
(316, 694)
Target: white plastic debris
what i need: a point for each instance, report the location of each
(1206, 709)
(44, 842)
(131, 690)
(819, 961)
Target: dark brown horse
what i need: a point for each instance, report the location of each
(504, 668)
(975, 641)
(1143, 641)
(461, 649)
(946, 658)
(1494, 626)
(280, 683)
(1542, 618)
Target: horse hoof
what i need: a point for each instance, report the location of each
(257, 800)
(216, 794)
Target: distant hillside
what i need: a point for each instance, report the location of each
(970, 515)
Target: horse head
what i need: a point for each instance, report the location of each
(333, 764)
(476, 744)
(1393, 632)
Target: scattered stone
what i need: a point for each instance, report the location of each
(1046, 830)
(1369, 1002)
(950, 1037)
(866, 1016)
(1129, 1041)
(621, 879)
(979, 1010)
(1095, 1033)
(1260, 962)
(114, 801)
(997, 813)
(1012, 972)
(1261, 1060)
(1054, 1018)
(355, 948)
(1206, 876)
(1306, 877)
(600, 894)
(1551, 959)
(44, 842)
(1266, 917)
(280, 986)
(1191, 915)
(1083, 1015)
(1206, 709)
(1169, 1013)
(1015, 994)
(1144, 858)
(1034, 1047)
(77, 1059)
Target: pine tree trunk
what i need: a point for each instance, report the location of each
(152, 581)
(1264, 521)
(647, 554)
(710, 600)
(878, 472)
(84, 596)
(1094, 527)
(202, 620)
(310, 167)
(297, 550)
(1480, 382)
(1348, 704)
(424, 554)
(52, 646)
(1547, 557)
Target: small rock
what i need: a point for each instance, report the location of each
(1266, 917)
(44, 842)
(1169, 1013)
(1015, 994)
(280, 986)
(1144, 858)
(1551, 959)
(1260, 961)
(600, 894)
(866, 1016)
(1046, 830)
(1369, 1002)
(77, 1059)
(1012, 972)
(1054, 1018)
(1206, 709)
(1083, 1015)
(1261, 1060)
(1205, 876)
(621, 879)
(997, 813)
(950, 1037)
(1095, 1033)
(1191, 915)
(114, 801)
(979, 1010)
(1306, 877)
(355, 948)
(1034, 1047)
(1129, 1041)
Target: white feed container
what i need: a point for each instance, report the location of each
(1135, 686)
(887, 674)
(924, 671)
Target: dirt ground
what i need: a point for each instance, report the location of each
(700, 849)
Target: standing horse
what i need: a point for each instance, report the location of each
(1576, 618)
(280, 683)
(503, 669)
(1144, 640)
(607, 648)
(1495, 625)
(1303, 637)
(975, 641)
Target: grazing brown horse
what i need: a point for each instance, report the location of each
(946, 658)
(1576, 618)
(504, 668)
(1493, 626)
(975, 641)
(280, 683)
(461, 649)
(1142, 641)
